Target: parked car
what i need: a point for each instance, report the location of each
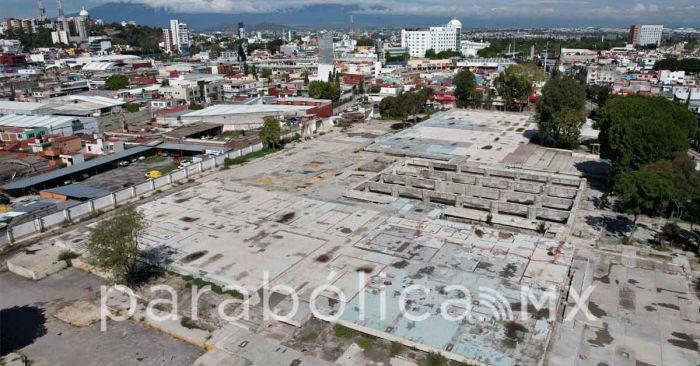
(124, 163)
(153, 174)
(184, 164)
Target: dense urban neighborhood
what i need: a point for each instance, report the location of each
(260, 194)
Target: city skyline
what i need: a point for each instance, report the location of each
(546, 13)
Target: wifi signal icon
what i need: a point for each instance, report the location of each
(496, 303)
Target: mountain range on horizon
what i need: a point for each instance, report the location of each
(333, 16)
(312, 16)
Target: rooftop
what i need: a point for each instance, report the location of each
(237, 109)
(78, 191)
(30, 121)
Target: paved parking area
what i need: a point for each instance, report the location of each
(121, 177)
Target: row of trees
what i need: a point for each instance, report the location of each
(499, 46)
(647, 141)
(405, 104)
(691, 65)
(40, 38)
(431, 54)
(325, 90)
(514, 86)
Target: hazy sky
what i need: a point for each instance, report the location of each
(668, 12)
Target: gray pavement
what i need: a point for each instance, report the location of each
(124, 343)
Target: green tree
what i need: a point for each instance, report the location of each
(560, 112)
(435, 359)
(430, 53)
(324, 90)
(598, 94)
(241, 53)
(195, 107)
(266, 73)
(644, 192)
(667, 64)
(270, 133)
(116, 82)
(686, 181)
(132, 108)
(514, 86)
(465, 88)
(637, 130)
(690, 65)
(365, 42)
(114, 244)
(404, 105)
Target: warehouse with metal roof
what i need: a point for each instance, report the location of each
(244, 117)
(76, 172)
(11, 107)
(56, 125)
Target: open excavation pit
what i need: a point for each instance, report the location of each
(518, 198)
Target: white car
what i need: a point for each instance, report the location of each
(184, 164)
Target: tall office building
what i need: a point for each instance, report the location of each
(174, 27)
(183, 39)
(241, 30)
(42, 11)
(326, 64)
(82, 25)
(644, 35)
(62, 21)
(168, 40)
(438, 39)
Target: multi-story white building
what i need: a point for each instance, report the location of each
(438, 39)
(168, 40)
(174, 27)
(183, 37)
(668, 77)
(644, 35)
(180, 36)
(601, 74)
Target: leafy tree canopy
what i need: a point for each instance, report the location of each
(114, 244)
(270, 132)
(116, 82)
(465, 88)
(560, 112)
(689, 65)
(514, 86)
(324, 90)
(644, 191)
(637, 130)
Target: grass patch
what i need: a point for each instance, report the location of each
(395, 348)
(68, 257)
(248, 157)
(343, 331)
(311, 336)
(168, 168)
(365, 342)
(435, 359)
(229, 134)
(193, 281)
(153, 159)
(189, 323)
